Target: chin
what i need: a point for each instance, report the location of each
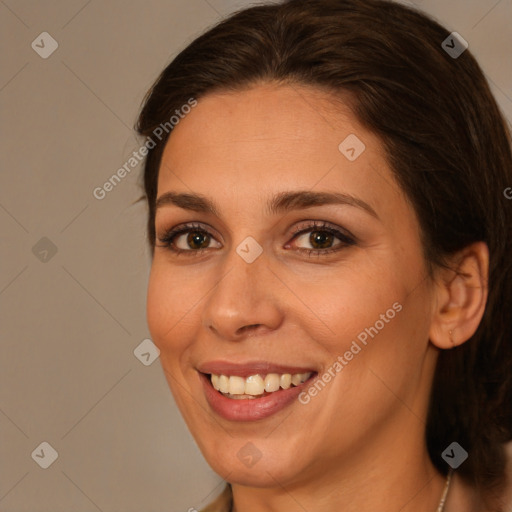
(241, 462)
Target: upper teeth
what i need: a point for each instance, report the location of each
(257, 384)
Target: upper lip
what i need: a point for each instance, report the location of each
(249, 368)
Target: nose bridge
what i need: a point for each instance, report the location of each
(243, 296)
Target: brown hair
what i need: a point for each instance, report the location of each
(446, 142)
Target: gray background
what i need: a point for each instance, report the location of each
(70, 321)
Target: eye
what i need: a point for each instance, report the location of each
(322, 236)
(194, 239)
(189, 238)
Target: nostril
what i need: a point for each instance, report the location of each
(248, 327)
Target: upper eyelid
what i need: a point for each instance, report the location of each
(184, 228)
(303, 226)
(316, 224)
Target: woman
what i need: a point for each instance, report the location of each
(330, 285)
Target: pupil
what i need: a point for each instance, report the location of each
(320, 237)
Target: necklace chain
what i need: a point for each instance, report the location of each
(440, 507)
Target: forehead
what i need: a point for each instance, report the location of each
(262, 112)
(250, 143)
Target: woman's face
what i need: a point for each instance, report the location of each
(303, 256)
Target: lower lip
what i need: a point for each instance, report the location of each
(249, 409)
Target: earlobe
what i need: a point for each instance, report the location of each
(460, 296)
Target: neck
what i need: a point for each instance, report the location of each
(400, 479)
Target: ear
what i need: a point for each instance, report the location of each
(460, 295)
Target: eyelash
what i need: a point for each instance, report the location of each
(346, 240)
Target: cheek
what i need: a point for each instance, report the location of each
(375, 312)
(385, 336)
(350, 300)
(157, 303)
(167, 306)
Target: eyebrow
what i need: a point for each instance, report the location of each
(280, 203)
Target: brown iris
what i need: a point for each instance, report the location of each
(323, 238)
(194, 240)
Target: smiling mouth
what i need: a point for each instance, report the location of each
(256, 386)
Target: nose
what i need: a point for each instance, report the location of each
(245, 301)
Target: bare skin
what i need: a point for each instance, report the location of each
(359, 443)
